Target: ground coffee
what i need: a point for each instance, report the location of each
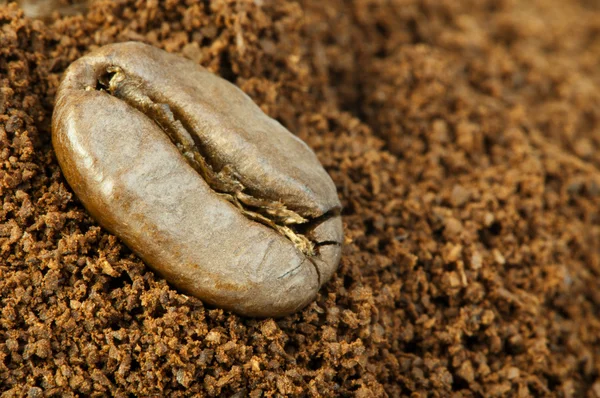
(463, 140)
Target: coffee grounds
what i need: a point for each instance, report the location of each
(463, 139)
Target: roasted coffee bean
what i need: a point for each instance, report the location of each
(214, 195)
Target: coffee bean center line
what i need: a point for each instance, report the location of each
(226, 182)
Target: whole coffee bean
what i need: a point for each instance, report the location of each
(214, 195)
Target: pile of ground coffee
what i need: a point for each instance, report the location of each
(463, 139)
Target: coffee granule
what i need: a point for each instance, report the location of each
(463, 138)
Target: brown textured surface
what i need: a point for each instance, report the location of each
(463, 138)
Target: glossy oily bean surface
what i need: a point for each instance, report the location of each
(210, 192)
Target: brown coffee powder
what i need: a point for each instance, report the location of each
(463, 140)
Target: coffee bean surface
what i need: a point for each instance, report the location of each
(210, 192)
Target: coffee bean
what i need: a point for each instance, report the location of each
(210, 192)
